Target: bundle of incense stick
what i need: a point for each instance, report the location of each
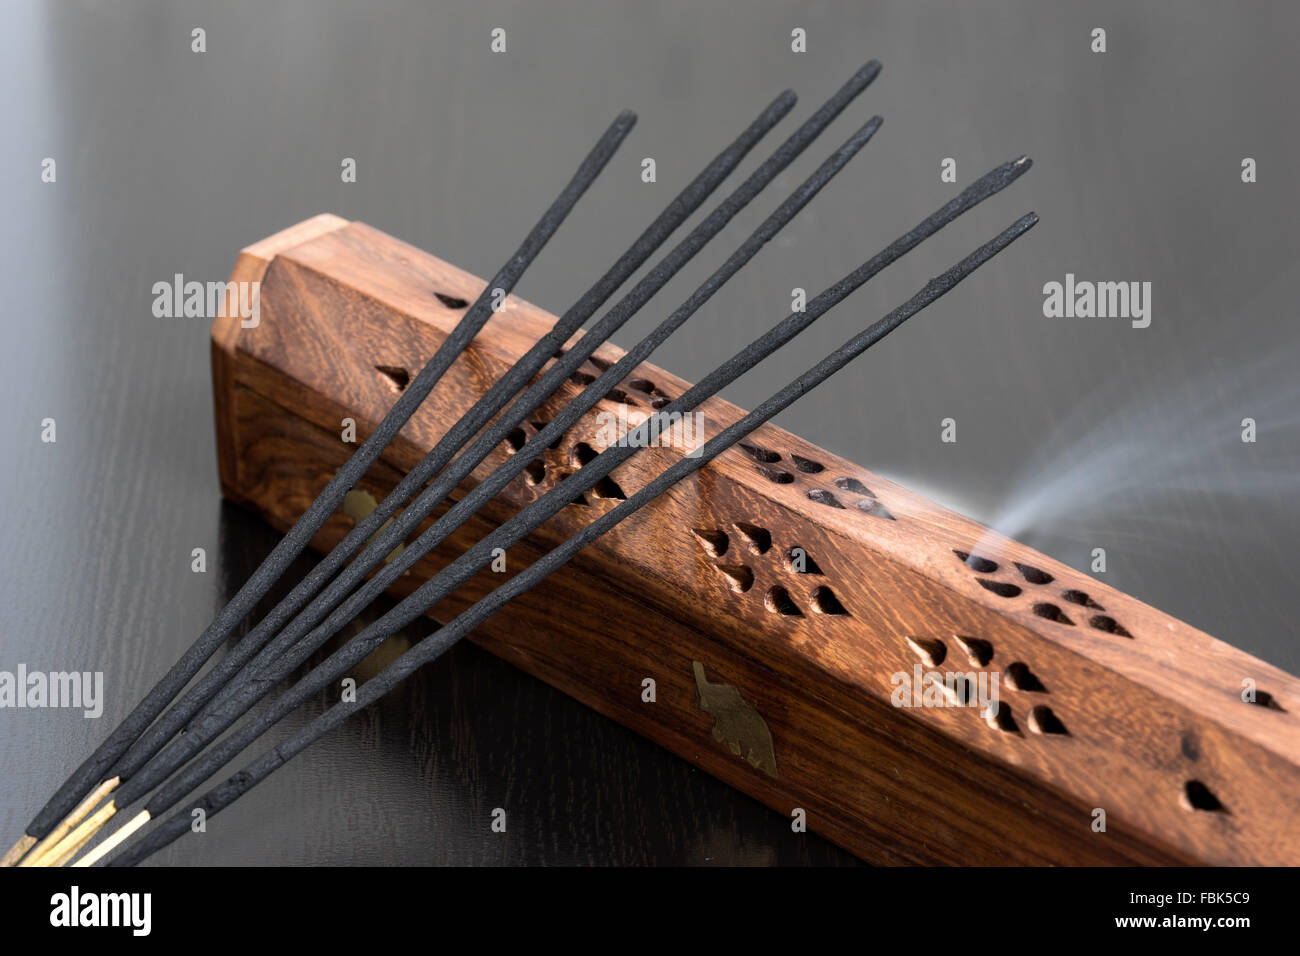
(386, 538)
(167, 761)
(96, 777)
(50, 823)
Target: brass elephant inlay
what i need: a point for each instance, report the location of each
(736, 724)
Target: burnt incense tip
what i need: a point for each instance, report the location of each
(999, 177)
(1009, 235)
(1002, 240)
(863, 135)
(1016, 168)
(864, 77)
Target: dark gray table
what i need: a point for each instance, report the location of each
(1072, 433)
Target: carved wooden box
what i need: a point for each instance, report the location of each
(777, 599)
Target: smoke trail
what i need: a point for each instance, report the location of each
(1187, 443)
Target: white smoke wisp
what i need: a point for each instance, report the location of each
(1164, 460)
(1185, 443)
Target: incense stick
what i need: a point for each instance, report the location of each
(518, 376)
(437, 643)
(181, 749)
(386, 539)
(226, 711)
(40, 854)
(289, 649)
(93, 770)
(114, 841)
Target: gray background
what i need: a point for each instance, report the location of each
(1072, 433)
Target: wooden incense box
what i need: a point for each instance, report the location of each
(782, 600)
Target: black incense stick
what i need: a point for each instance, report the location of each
(377, 549)
(92, 771)
(493, 484)
(290, 648)
(473, 420)
(436, 588)
(437, 643)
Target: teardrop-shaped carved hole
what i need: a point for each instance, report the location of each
(451, 301)
(975, 562)
(580, 500)
(1104, 622)
(824, 601)
(739, 578)
(582, 378)
(807, 465)
(712, 540)
(608, 488)
(1051, 612)
(931, 650)
(397, 376)
(1075, 596)
(620, 396)
(516, 440)
(1003, 720)
(759, 453)
(874, 508)
(854, 486)
(534, 472)
(603, 364)
(798, 561)
(824, 497)
(642, 385)
(1264, 699)
(1019, 677)
(1000, 588)
(1033, 575)
(978, 651)
(774, 474)
(758, 539)
(1043, 721)
(1197, 796)
(583, 454)
(662, 402)
(778, 601)
(956, 693)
